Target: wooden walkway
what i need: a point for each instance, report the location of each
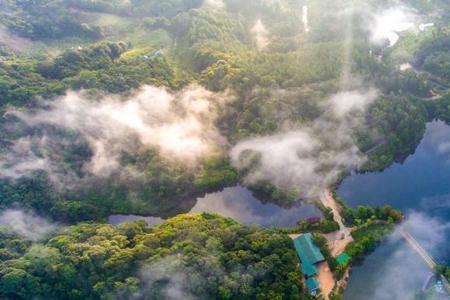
(423, 254)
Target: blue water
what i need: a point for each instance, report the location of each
(240, 204)
(420, 187)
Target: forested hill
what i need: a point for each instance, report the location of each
(276, 73)
(188, 257)
(140, 107)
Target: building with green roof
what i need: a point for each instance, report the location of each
(343, 259)
(313, 285)
(308, 253)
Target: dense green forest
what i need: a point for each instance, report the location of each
(266, 70)
(187, 41)
(203, 256)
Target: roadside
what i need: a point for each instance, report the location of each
(338, 240)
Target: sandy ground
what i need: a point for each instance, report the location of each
(294, 236)
(325, 278)
(337, 241)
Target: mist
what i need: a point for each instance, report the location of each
(261, 35)
(26, 224)
(387, 24)
(305, 17)
(176, 277)
(12, 41)
(216, 4)
(311, 157)
(179, 125)
(173, 273)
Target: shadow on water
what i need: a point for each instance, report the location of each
(240, 204)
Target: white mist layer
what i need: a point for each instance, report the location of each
(312, 157)
(261, 34)
(216, 4)
(180, 125)
(305, 18)
(388, 24)
(26, 224)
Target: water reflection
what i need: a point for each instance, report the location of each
(423, 176)
(420, 187)
(393, 272)
(240, 204)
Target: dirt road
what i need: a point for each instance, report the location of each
(337, 241)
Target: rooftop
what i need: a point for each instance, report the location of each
(312, 284)
(343, 258)
(308, 253)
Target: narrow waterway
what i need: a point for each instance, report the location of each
(240, 204)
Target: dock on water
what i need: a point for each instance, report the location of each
(424, 255)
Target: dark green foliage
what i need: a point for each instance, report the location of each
(321, 242)
(11, 245)
(71, 62)
(366, 238)
(362, 214)
(439, 109)
(266, 192)
(395, 127)
(444, 270)
(97, 67)
(217, 258)
(217, 173)
(20, 82)
(45, 19)
(434, 58)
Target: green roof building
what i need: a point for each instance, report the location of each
(308, 253)
(343, 259)
(312, 285)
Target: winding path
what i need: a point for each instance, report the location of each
(337, 240)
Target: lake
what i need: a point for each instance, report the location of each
(240, 204)
(420, 187)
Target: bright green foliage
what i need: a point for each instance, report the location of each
(207, 256)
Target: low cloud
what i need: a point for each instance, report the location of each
(188, 277)
(216, 4)
(181, 126)
(387, 24)
(171, 271)
(312, 157)
(26, 224)
(260, 34)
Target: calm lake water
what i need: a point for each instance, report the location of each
(240, 204)
(420, 187)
